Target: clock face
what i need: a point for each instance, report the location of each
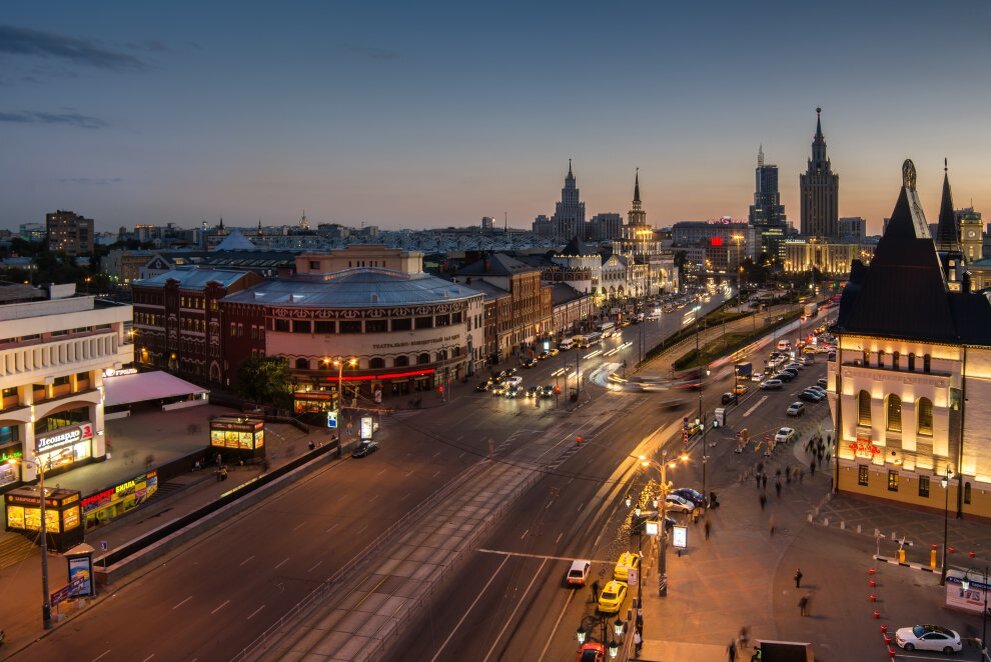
(970, 235)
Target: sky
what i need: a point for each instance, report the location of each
(431, 114)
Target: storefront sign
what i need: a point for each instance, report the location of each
(865, 449)
(416, 343)
(110, 372)
(127, 495)
(63, 437)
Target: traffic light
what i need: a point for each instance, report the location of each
(578, 440)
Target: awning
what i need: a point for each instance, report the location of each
(144, 386)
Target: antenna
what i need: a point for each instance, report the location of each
(505, 221)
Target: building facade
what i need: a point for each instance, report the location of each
(833, 258)
(852, 227)
(971, 233)
(911, 375)
(69, 232)
(767, 214)
(819, 191)
(569, 214)
(54, 349)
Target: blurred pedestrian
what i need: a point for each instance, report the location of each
(731, 651)
(772, 525)
(812, 468)
(763, 481)
(777, 487)
(637, 642)
(798, 578)
(803, 605)
(708, 528)
(595, 590)
(763, 500)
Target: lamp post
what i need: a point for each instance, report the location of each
(662, 550)
(965, 583)
(945, 483)
(46, 600)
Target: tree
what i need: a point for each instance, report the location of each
(266, 380)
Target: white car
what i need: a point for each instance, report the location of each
(677, 504)
(796, 409)
(784, 435)
(928, 638)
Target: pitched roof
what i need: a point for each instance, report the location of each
(562, 293)
(234, 241)
(576, 247)
(947, 232)
(498, 264)
(194, 278)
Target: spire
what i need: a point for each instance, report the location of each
(819, 136)
(760, 156)
(636, 187)
(221, 222)
(947, 232)
(570, 174)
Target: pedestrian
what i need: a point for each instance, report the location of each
(772, 525)
(827, 457)
(731, 651)
(803, 605)
(763, 481)
(763, 500)
(595, 590)
(744, 637)
(312, 445)
(777, 487)
(798, 578)
(708, 528)
(812, 468)
(788, 476)
(637, 642)
(757, 478)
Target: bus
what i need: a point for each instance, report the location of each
(606, 329)
(589, 339)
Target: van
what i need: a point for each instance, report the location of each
(567, 343)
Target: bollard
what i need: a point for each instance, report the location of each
(825, 521)
(887, 639)
(871, 571)
(877, 614)
(884, 628)
(901, 556)
(891, 652)
(872, 583)
(842, 525)
(872, 598)
(859, 529)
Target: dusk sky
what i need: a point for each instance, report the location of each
(429, 114)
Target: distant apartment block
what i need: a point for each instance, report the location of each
(69, 232)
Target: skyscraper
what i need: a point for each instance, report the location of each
(767, 214)
(819, 190)
(569, 214)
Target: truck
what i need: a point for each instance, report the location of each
(811, 309)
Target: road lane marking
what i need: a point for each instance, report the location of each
(178, 605)
(225, 603)
(549, 504)
(281, 563)
(597, 539)
(559, 536)
(581, 506)
(524, 534)
(298, 525)
(756, 404)
(498, 640)
(246, 560)
(103, 654)
(467, 611)
(437, 453)
(410, 472)
(255, 613)
(436, 473)
(331, 527)
(381, 472)
(406, 496)
(374, 498)
(148, 658)
(314, 566)
(569, 559)
(550, 638)
(361, 529)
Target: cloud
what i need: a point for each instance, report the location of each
(22, 41)
(37, 117)
(99, 181)
(372, 52)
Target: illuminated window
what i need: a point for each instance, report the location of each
(863, 474)
(892, 481)
(924, 486)
(894, 411)
(925, 412)
(864, 408)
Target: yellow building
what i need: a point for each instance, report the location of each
(912, 374)
(800, 256)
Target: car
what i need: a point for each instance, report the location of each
(637, 521)
(729, 398)
(796, 409)
(739, 389)
(757, 377)
(677, 504)
(499, 389)
(785, 375)
(528, 363)
(794, 366)
(689, 494)
(481, 387)
(784, 435)
(772, 385)
(831, 356)
(818, 389)
(533, 391)
(808, 360)
(626, 561)
(612, 597)
(549, 352)
(364, 448)
(513, 381)
(542, 356)
(809, 396)
(578, 572)
(508, 372)
(822, 382)
(514, 392)
(592, 651)
(928, 638)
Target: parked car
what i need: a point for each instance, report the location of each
(809, 396)
(928, 638)
(364, 448)
(784, 435)
(785, 376)
(793, 366)
(627, 560)
(592, 651)
(578, 572)
(691, 495)
(808, 360)
(796, 409)
(729, 398)
(822, 381)
(612, 597)
(772, 385)
(677, 504)
(818, 389)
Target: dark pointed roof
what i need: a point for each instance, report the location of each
(569, 170)
(498, 264)
(636, 187)
(576, 247)
(947, 232)
(819, 137)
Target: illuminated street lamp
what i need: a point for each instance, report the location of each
(662, 589)
(945, 483)
(340, 361)
(46, 604)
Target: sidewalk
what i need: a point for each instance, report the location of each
(20, 582)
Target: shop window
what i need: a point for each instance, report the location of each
(302, 364)
(282, 325)
(302, 326)
(925, 412)
(924, 487)
(892, 481)
(442, 355)
(864, 408)
(424, 322)
(376, 326)
(9, 434)
(423, 359)
(966, 493)
(894, 414)
(324, 327)
(377, 363)
(401, 361)
(402, 324)
(351, 326)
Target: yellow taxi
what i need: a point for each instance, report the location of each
(626, 561)
(612, 597)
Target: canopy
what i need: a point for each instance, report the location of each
(126, 389)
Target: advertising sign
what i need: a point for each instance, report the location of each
(679, 536)
(80, 575)
(63, 437)
(365, 432)
(651, 527)
(632, 577)
(332, 419)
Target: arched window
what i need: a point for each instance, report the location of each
(926, 363)
(966, 492)
(864, 408)
(442, 355)
(401, 361)
(894, 409)
(376, 363)
(896, 360)
(302, 364)
(925, 413)
(423, 359)
(911, 362)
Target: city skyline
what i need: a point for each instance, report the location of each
(400, 118)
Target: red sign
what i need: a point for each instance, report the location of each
(716, 241)
(864, 448)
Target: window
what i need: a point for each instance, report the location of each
(926, 363)
(302, 364)
(863, 474)
(314, 265)
(10, 392)
(896, 360)
(325, 327)
(423, 359)
(880, 358)
(864, 408)
(442, 320)
(401, 361)
(911, 362)
(924, 486)
(61, 381)
(376, 326)
(282, 325)
(402, 324)
(376, 363)
(82, 376)
(925, 413)
(894, 410)
(302, 326)
(966, 492)
(351, 326)
(892, 481)
(424, 322)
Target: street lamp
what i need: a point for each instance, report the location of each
(945, 483)
(662, 551)
(46, 604)
(340, 361)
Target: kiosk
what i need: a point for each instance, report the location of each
(242, 436)
(64, 524)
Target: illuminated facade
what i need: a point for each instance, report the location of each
(833, 258)
(912, 375)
